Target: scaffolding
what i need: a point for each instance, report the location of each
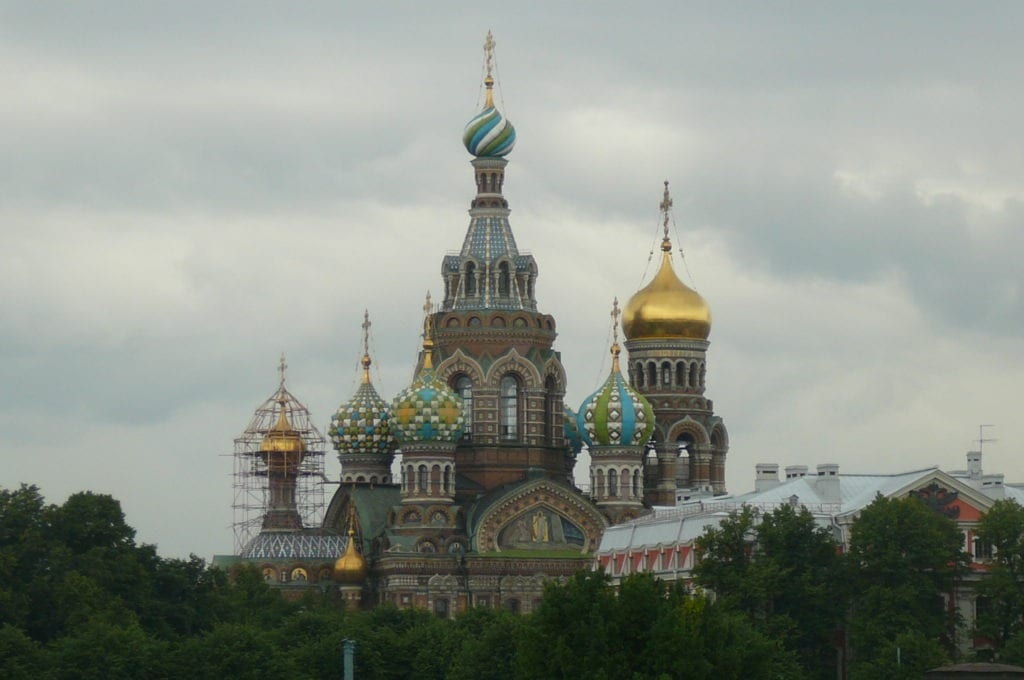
(250, 468)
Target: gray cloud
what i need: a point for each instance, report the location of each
(187, 190)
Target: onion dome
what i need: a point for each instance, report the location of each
(666, 307)
(489, 134)
(362, 424)
(350, 567)
(427, 410)
(616, 414)
(572, 430)
(282, 447)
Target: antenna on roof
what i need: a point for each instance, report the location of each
(982, 440)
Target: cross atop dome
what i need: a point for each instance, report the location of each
(489, 134)
(665, 206)
(282, 369)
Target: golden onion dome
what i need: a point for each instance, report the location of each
(282, 446)
(666, 307)
(350, 567)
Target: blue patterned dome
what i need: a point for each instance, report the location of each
(363, 424)
(426, 410)
(572, 430)
(616, 415)
(489, 134)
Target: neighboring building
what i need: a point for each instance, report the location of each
(485, 510)
(663, 543)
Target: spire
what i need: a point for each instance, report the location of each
(666, 206)
(489, 272)
(489, 61)
(366, 347)
(489, 134)
(615, 335)
(428, 333)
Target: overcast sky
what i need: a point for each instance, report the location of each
(189, 188)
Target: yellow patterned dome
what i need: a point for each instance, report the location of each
(350, 567)
(666, 307)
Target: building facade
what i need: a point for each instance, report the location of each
(485, 510)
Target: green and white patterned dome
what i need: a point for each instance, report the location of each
(427, 410)
(363, 424)
(616, 414)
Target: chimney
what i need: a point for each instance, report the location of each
(974, 464)
(795, 471)
(827, 483)
(992, 486)
(766, 476)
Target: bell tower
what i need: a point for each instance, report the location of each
(667, 325)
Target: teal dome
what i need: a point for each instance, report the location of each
(489, 134)
(571, 430)
(616, 415)
(427, 411)
(362, 424)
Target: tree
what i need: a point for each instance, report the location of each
(1002, 587)
(649, 630)
(905, 559)
(784, 574)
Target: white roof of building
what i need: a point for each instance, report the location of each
(822, 496)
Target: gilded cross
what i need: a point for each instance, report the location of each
(427, 309)
(366, 331)
(666, 205)
(615, 320)
(282, 367)
(489, 52)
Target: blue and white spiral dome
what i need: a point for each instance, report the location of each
(489, 134)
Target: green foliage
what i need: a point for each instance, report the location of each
(648, 631)
(905, 557)
(784, 574)
(1002, 587)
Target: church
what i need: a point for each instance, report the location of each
(460, 491)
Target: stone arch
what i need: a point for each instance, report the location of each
(514, 362)
(691, 427)
(533, 495)
(553, 368)
(460, 362)
(719, 438)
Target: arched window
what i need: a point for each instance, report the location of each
(470, 286)
(464, 388)
(449, 480)
(422, 485)
(666, 373)
(681, 374)
(552, 417)
(639, 374)
(703, 372)
(600, 484)
(693, 374)
(613, 483)
(652, 374)
(435, 480)
(636, 483)
(409, 480)
(509, 408)
(504, 280)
